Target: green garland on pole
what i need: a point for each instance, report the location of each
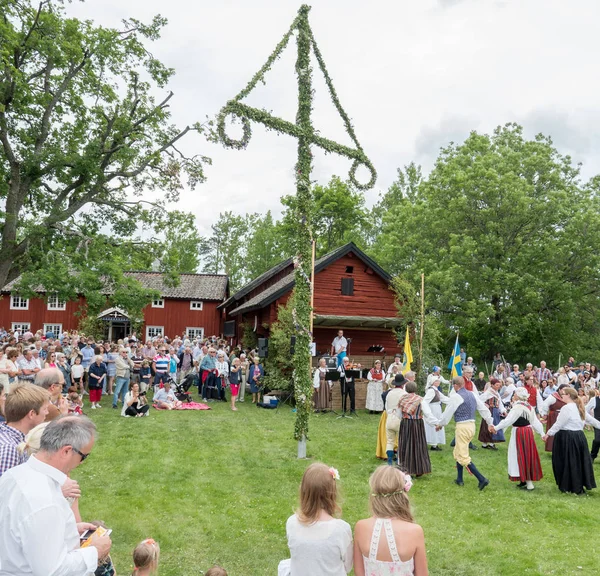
(304, 131)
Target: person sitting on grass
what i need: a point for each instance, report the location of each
(165, 399)
(145, 558)
(319, 543)
(135, 403)
(404, 552)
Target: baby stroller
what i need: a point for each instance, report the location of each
(188, 382)
(180, 392)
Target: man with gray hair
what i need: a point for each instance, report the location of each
(37, 528)
(53, 380)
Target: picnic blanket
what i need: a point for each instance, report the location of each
(188, 406)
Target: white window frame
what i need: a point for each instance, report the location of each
(158, 303)
(154, 329)
(22, 327)
(196, 305)
(17, 299)
(194, 335)
(55, 304)
(56, 333)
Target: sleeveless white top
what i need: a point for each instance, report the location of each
(396, 567)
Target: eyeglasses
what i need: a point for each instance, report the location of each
(83, 456)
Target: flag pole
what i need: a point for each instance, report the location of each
(422, 321)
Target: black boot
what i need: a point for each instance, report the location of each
(483, 481)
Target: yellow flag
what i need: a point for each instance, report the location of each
(408, 357)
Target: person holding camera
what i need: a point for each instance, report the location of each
(135, 403)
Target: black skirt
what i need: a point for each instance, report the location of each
(413, 456)
(571, 462)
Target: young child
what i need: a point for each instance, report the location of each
(145, 558)
(77, 372)
(216, 571)
(234, 381)
(145, 376)
(75, 401)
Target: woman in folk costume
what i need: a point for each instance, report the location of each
(524, 464)
(413, 456)
(571, 460)
(435, 399)
(376, 377)
(491, 398)
(322, 389)
(551, 408)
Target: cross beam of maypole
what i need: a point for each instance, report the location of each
(306, 135)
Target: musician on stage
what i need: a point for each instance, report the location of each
(339, 347)
(347, 384)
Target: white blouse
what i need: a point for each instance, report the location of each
(323, 548)
(569, 419)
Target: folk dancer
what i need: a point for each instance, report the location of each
(551, 408)
(435, 375)
(593, 408)
(491, 397)
(462, 407)
(322, 388)
(524, 464)
(435, 398)
(571, 461)
(413, 456)
(389, 423)
(375, 376)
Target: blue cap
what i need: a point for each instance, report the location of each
(436, 368)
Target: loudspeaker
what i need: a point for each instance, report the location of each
(292, 345)
(330, 362)
(263, 347)
(229, 329)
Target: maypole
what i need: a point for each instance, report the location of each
(307, 137)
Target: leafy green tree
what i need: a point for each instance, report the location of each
(338, 216)
(509, 242)
(82, 137)
(225, 252)
(263, 246)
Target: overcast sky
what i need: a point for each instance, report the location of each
(412, 75)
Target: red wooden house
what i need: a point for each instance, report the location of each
(190, 308)
(352, 292)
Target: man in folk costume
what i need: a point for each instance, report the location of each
(593, 408)
(389, 424)
(524, 464)
(470, 386)
(347, 385)
(462, 406)
(551, 408)
(413, 456)
(491, 398)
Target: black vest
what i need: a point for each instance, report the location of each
(597, 409)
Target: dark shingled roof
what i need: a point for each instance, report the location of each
(191, 286)
(287, 282)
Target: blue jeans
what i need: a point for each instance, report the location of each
(121, 386)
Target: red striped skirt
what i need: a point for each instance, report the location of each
(530, 467)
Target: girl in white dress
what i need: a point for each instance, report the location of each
(402, 551)
(320, 545)
(376, 378)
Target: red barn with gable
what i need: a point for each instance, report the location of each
(352, 292)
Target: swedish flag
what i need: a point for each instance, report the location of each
(455, 364)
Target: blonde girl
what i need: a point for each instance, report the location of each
(403, 551)
(145, 558)
(319, 542)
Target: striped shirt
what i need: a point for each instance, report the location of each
(162, 363)
(10, 457)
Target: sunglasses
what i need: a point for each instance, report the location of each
(81, 454)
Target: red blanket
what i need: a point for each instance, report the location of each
(188, 406)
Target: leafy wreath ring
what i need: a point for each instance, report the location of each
(231, 142)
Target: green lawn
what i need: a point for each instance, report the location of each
(217, 487)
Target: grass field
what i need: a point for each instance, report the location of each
(217, 487)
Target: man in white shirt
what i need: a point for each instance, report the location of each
(37, 527)
(339, 347)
